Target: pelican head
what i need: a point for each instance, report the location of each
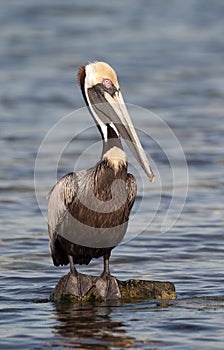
(101, 91)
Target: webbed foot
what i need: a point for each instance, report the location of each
(107, 287)
(78, 285)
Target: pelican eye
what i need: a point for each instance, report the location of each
(107, 83)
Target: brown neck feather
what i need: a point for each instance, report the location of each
(113, 140)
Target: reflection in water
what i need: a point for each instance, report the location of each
(91, 327)
(88, 326)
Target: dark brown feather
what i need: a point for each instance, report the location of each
(81, 80)
(102, 177)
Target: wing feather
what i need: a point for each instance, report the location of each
(132, 190)
(64, 206)
(59, 198)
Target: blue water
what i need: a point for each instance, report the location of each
(170, 62)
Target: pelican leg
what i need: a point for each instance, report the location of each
(106, 270)
(75, 279)
(107, 285)
(72, 266)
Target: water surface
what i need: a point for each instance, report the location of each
(169, 58)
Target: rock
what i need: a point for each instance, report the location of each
(87, 288)
(141, 289)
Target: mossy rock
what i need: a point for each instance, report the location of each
(142, 289)
(85, 288)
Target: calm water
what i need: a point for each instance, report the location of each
(170, 59)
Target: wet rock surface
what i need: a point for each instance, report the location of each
(87, 288)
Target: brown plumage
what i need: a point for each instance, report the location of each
(88, 211)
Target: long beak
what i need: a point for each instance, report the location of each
(127, 131)
(119, 116)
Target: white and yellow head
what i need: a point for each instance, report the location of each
(100, 73)
(101, 91)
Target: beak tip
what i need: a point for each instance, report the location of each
(152, 178)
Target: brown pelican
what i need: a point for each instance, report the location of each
(88, 211)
